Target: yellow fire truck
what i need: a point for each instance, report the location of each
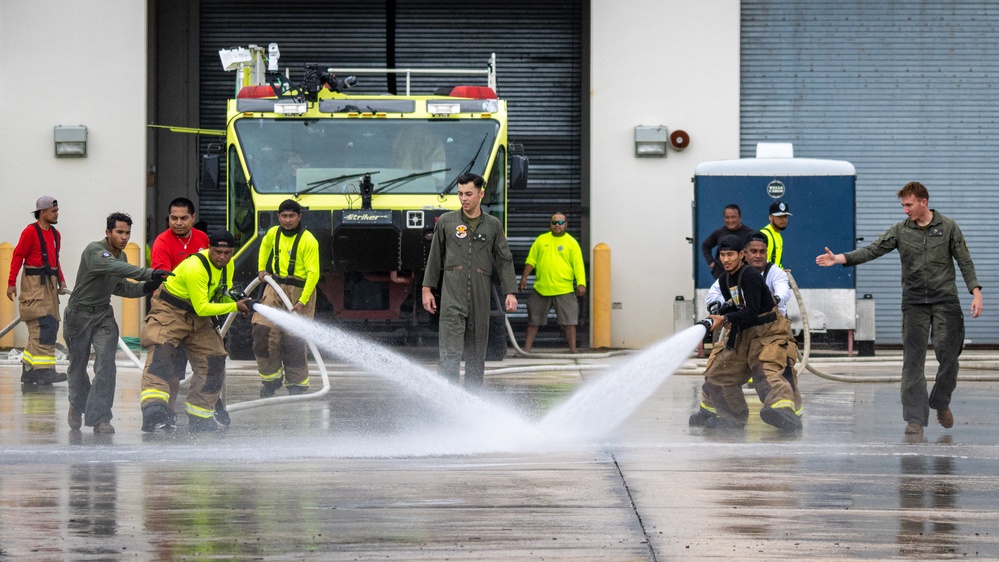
(373, 173)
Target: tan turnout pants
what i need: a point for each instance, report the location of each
(38, 306)
(766, 354)
(167, 327)
(281, 356)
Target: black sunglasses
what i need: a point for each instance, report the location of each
(559, 223)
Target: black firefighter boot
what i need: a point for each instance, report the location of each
(700, 418)
(782, 418)
(41, 377)
(154, 416)
(269, 388)
(196, 424)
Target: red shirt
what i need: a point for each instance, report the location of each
(29, 252)
(168, 250)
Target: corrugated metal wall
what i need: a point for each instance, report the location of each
(905, 91)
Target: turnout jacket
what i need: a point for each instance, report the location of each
(927, 255)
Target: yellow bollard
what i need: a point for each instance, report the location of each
(601, 296)
(130, 317)
(6, 305)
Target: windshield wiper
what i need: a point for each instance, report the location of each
(467, 168)
(396, 182)
(329, 182)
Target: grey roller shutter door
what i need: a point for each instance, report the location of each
(538, 51)
(306, 32)
(906, 91)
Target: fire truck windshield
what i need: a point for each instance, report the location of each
(299, 155)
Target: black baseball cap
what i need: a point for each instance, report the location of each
(779, 209)
(221, 239)
(730, 243)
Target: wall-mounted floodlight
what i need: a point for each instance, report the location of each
(70, 141)
(651, 141)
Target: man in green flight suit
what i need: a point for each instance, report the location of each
(928, 244)
(90, 322)
(466, 246)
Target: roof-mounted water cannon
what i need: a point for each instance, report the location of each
(316, 79)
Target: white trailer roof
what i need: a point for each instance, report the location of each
(776, 167)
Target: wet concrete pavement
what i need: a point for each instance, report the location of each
(365, 473)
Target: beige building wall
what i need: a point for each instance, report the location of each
(72, 63)
(656, 62)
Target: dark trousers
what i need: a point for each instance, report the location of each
(946, 323)
(81, 330)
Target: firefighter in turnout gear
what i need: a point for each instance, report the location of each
(289, 253)
(181, 314)
(777, 281)
(466, 246)
(759, 346)
(170, 248)
(41, 285)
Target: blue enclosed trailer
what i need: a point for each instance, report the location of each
(820, 195)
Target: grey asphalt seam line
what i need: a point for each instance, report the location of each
(634, 508)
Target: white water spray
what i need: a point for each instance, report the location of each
(483, 424)
(600, 406)
(590, 413)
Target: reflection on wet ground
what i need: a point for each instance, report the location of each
(371, 473)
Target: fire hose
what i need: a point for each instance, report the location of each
(225, 327)
(315, 353)
(983, 363)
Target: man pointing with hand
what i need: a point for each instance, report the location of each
(928, 243)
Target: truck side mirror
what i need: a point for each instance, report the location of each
(518, 171)
(209, 172)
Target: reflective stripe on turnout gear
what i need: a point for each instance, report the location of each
(273, 376)
(153, 394)
(199, 412)
(38, 360)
